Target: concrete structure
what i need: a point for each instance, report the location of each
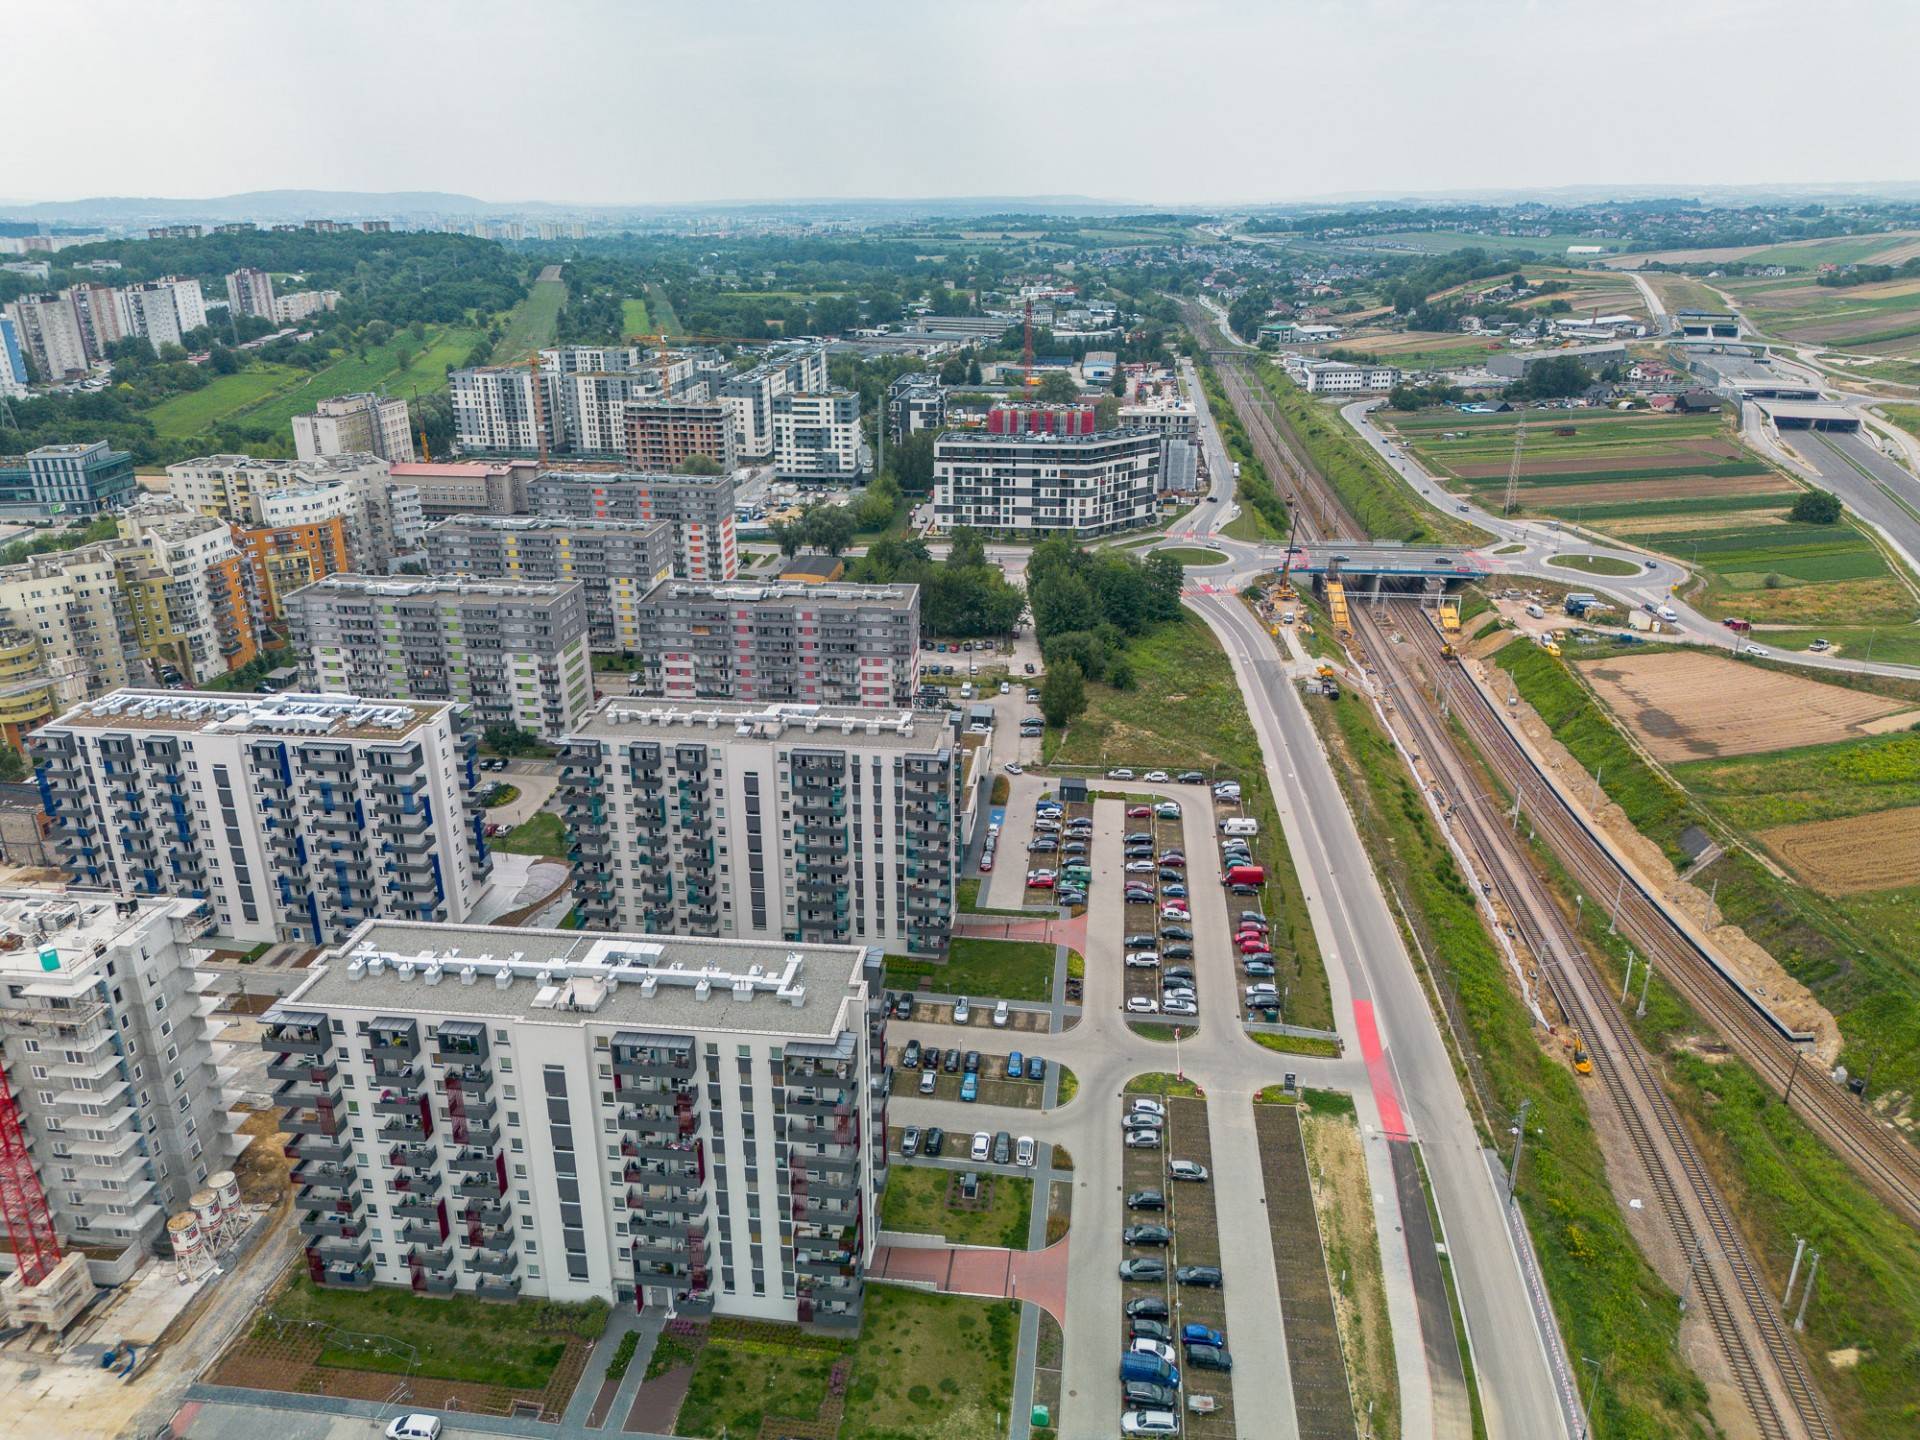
(963, 327)
(66, 612)
(616, 563)
(1338, 377)
(749, 395)
(916, 401)
(1714, 324)
(469, 487)
(1097, 366)
(163, 311)
(1515, 363)
(816, 436)
(513, 651)
(383, 517)
(284, 558)
(14, 373)
(1293, 332)
(692, 1126)
(495, 409)
(361, 424)
(250, 292)
(699, 507)
(1807, 415)
(815, 644)
(186, 592)
(662, 435)
(295, 816)
(796, 823)
(105, 1032)
(1079, 485)
(1165, 415)
(51, 335)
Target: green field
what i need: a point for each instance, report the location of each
(1002, 969)
(532, 322)
(222, 398)
(1441, 242)
(916, 1201)
(1816, 782)
(1847, 318)
(633, 316)
(1594, 564)
(544, 834)
(1897, 642)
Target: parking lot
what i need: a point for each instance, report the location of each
(980, 1014)
(995, 1086)
(1154, 837)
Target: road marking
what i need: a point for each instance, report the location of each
(1386, 1098)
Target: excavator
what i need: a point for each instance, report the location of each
(1582, 1061)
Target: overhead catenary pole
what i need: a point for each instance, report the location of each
(1646, 979)
(1813, 1273)
(1519, 1139)
(1793, 1275)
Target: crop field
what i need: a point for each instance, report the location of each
(1854, 317)
(1440, 242)
(1687, 706)
(1852, 856)
(1795, 254)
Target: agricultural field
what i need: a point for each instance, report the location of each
(1441, 242)
(1847, 857)
(1885, 249)
(1684, 705)
(1882, 318)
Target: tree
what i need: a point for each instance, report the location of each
(1119, 382)
(966, 547)
(510, 740)
(1120, 674)
(1816, 507)
(789, 535)
(1084, 649)
(699, 465)
(1057, 388)
(12, 766)
(830, 528)
(911, 462)
(973, 372)
(1063, 694)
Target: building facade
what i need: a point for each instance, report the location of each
(295, 816)
(383, 517)
(51, 334)
(513, 652)
(838, 644)
(662, 435)
(816, 436)
(14, 373)
(361, 424)
(796, 823)
(689, 1126)
(749, 395)
(469, 487)
(80, 479)
(283, 558)
(250, 292)
(699, 507)
(496, 409)
(616, 563)
(1082, 485)
(104, 1030)
(916, 401)
(1338, 377)
(186, 588)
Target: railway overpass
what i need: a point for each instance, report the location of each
(1362, 563)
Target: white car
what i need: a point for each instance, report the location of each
(1026, 1152)
(1141, 1004)
(1179, 1005)
(1141, 1105)
(1751, 650)
(1156, 777)
(1159, 1349)
(1149, 1422)
(1000, 1015)
(414, 1427)
(1014, 767)
(982, 1145)
(1187, 1170)
(1142, 1140)
(1143, 1120)
(1143, 960)
(1140, 867)
(1119, 774)
(962, 1011)
(1175, 911)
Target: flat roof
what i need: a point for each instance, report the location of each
(742, 592)
(519, 523)
(287, 714)
(575, 977)
(451, 586)
(1806, 410)
(629, 717)
(67, 925)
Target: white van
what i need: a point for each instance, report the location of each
(1669, 614)
(1240, 825)
(966, 691)
(1536, 613)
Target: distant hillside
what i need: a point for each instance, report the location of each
(287, 205)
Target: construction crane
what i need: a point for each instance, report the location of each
(1513, 469)
(1026, 349)
(23, 1202)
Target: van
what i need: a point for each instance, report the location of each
(1669, 614)
(966, 691)
(1240, 825)
(1246, 875)
(1534, 612)
(1151, 1368)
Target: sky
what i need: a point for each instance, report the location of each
(1210, 102)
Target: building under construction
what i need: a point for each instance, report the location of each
(113, 1114)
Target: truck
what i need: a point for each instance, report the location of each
(1244, 875)
(1738, 627)
(1579, 600)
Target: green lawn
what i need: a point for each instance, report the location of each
(1594, 564)
(456, 1338)
(544, 834)
(179, 416)
(633, 316)
(1002, 969)
(1817, 782)
(1160, 1082)
(748, 1371)
(1898, 643)
(916, 1200)
(1192, 555)
(532, 322)
(931, 1366)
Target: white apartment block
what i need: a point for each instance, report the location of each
(817, 436)
(295, 816)
(1082, 485)
(72, 604)
(799, 823)
(250, 292)
(51, 335)
(495, 409)
(163, 311)
(291, 309)
(106, 1034)
(1165, 416)
(749, 396)
(1338, 377)
(355, 425)
(689, 1126)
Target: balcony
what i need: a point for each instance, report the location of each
(417, 1205)
(289, 1067)
(406, 1128)
(401, 1075)
(429, 1282)
(472, 1109)
(480, 1187)
(317, 1223)
(503, 1288)
(460, 1043)
(396, 1102)
(667, 1204)
(339, 1277)
(472, 1162)
(472, 1136)
(414, 1157)
(323, 1121)
(430, 1257)
(298, 1035)
(343, 1251)
(830, 1264)
(495, 1262)
(416, 1232)
(482, 1212)
(657, 1063)
(303, 1096)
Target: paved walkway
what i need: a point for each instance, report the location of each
(1036, 1275)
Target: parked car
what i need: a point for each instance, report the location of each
(1191, 777)
(1002, 1148)
(1175, 932)
(1143, 960)
(1015, 1062)
(910, 1057)
(971, 1062)
(1260, 969)
(1156, 777)
(1014, 767)
(1143, 1120)
(1175, 911)
(1143, 1268)
(1121, 774)
(1168, 810)
(417, 1427)
(928, 1080)
(1193, 1334)
(1139, 812)
(1040, 880)
(970, 1088)
(1141, 1005)
(962, 1011)
(1146, 1395)
(1026, 1152)
(1147, 1235)
(1178, 951)
(982, 1145)
(953, 1062)
(1142, 1140)
(1187, 1170)
(1145, 1105)
(1209, 1357)
(1147, 1307)
(1159, 1349)
(1150, 1422)
(1141, 941)
(933, 1142)
(1206, 1276)
(1000, 1015)
(910, 1142)
(1036, 1068)
(1180, 1005)
(1148, 1330)
(1146, 1200)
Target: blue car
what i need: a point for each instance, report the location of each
(1036, 1068)
(1201, 1335)
(970, 1086)
(1173, 892)
(1016, 1065)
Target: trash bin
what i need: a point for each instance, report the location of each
(1040, 1416)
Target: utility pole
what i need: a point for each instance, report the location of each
(1792, 1075)
(1646, 979)
(1799, 1249)
(1626, 983)
(1519, 1139)
(1593, 1392)
(1813, 1273)
(1613, 915)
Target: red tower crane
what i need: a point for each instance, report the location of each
(1026, 349)
(23, 1203)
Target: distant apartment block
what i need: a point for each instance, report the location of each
(284, 558)
(662, 435)
(916, 401)
(14, 373)
(469, 487)
(513, 652)
(384, 520)
(817, 436)
(51, 336)
(497, 408)
(699, 507)
(1338, 377)
(691, 1126)
(291, 309)
(797, 823)
(359, 424)
(296, 816)
(250, 292)
(616, 563)
(1081, 485)
(827, 644)
(164, 311)
(749, 395)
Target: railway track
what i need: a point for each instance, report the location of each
(1763, 1359)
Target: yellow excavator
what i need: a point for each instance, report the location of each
(1582, 1061)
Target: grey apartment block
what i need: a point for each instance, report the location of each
(294, 816)
(792, 823)
(513, 651)
(111, 1058)
(693, 1126)
(616, 562)
(699, 507)
(1082, 485)
(836, 644)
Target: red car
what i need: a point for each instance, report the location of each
(1040, 882)
(1252, 941)
(1140, 812)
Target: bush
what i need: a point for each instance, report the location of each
(1816, 507)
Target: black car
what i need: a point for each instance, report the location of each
(1146, 1200)
(953, 1062)
(1143, 1268)
(1145, 1395)
(1147, 1307)
(1147, 1235)
(1208, 1276)
(1148, 1330)
(1180, 951)
(1209, 1357)
(1002, 1148)
(1175, 932)
(910, 1057)
(1190, 777)
(972, 1062)
(1140, 942)
(930, 1058)
(933, 1141)
(903, 1007)
(1177, 972)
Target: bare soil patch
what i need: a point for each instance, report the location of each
(1687, 524)
(1854, 854)
(1691, 707)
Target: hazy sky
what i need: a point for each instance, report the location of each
(1181, 100)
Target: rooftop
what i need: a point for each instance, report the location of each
(518, 523)
(650, 477)
(57, 936)
(621, 718)
(572, 977)
(218, 713)
(892, 597)
(449, 587)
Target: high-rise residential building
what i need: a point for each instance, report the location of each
(1082, 485)
(164, 311)
(51, 335)
(13, 361)
(916, 401)
(469, 487)
(496, 409)
(699, 507)
(106, 316)
(616, 563)
(799, 823)
(283, 558)
(360, 424)
(514, 652)
(749, 395)
(186, 589)
(691, 1126)
(663, 435)
(383, 518)
(250, 292)
(105, 1033)
(816, 436)
(71, 606)
(833, 644)
(292, 309)
(296, 816)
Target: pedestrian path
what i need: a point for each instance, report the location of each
(1036, 1275)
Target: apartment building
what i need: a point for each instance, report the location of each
(106, 1035)
(70, 626)
(384, 519)
(361, 424)
(281, 559)
(469, 487)
(186, 590)
(250, 292)
(749, 395)
(785, 822)
(691, 1126)
(699, 507)
(916, 401)
(1167, 416)
(51, 335)
(14, 373)
(496, 409)
(662, 435)
(1082, 485)
(1337, 377)
(817, 436)
(514, 652)
(295, 816)
(616, 563)
(292, 309)
(164, 311)
(69, 480)
(814, 644)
